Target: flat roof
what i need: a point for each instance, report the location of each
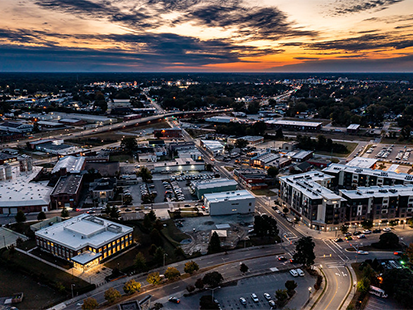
(353, 126)
(67, 185)
(378, 191)
(311, 189)
(72, 164)
(302, 154)
(207, 184)
(252, 138)
(229, 196)
(20, 192)
(84, 230)
(362, 162)
(85, 257)
(293, 123)
(336, 168)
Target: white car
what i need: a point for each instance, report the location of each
(294, 273)
(267, 296)
(387, 229)
(362, 252)
(300, 272)
(254, 297)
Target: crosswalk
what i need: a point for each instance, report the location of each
(336, 249)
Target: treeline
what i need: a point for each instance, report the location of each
(321, 144)
(257, 129)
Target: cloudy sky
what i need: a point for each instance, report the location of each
(207, 35)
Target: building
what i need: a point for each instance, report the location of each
(363, 162)
(319, 162)
(178, 165)
(19, 192)
(289, 146)
(302, 167)
(352, 177)
(265, 160)
(353, 128)
(54, 146)
(66, 192)
(72, 122)
(253, 178)
(69, 164)
(103, 189)
(235, 202)
(16, 127)
(302, 156)
(7, 158)
(220, 119)
(213, 147)
(294, 125)
(84, 240)
(180, 146)
(252, 140)
(213, 186)
(88, 118)
(168, 133)
(50, 125)
(380, 204)
(143, 304)
(312, 201)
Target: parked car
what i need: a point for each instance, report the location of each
(243, 301)
(356, 233)
(254, 297)
(300, 272)
(294, 273)
(281, 258)
(272, 304)
(175, 300)
(366, 232)
(267, 296)
(377, 231)
(362, 236)
(349, 238)
(387, 229)
(338, 240)
(347, 234)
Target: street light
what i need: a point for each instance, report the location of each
(164, 255)
(309, 292)
(71, 286)
(212, 291)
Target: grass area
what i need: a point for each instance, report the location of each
(172, 233)
(229, 168)
(36, 295)
(350, 147)
(356, 303)
(52, 259)
(121, 158)
(264, 192)
(40, 271)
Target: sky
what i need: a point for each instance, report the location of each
(206, 36)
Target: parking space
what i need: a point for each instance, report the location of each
(377, 303)
(229, 296)
(398, 154)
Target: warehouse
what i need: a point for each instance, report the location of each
(84, 240)
(235, 202)
(294, 125)
(214, 186)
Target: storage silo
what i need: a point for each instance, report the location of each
(29, 162)
(2, 175)
(22, 163)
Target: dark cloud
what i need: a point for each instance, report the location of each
(403, 27)
(356, 6)
(398, 64)
(306, 58)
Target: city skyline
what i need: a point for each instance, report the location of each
(206, 36)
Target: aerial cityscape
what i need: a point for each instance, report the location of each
(204, 154)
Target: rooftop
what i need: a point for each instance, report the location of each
(353, 126)
(362, 162)
(68, 185)
(84, 230)
(302, 154)
(19, 191)
(215, 183)
(229, 196)
(293, 123)
(309, 176)
(378, 191)
(72, 164)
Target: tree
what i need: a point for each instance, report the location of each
(191, 267)
(147, 223)
(285, 210)
(363, 285)
(272, 172)
(409, 252)
(64, 213)
(20, 217)
(367, 224)
(304, 251)
(388, 240)
(398, 284)
(89, 304)
(190, 288)
(112, 294)
(279, 134)
(107, 209)
(214, 244)
(290, 285)
(153, 278)
(140, 262)
(243, 268)
(405, 132)
(344, 229)
(241, 143)
(213, 279)
(41, 216)
(229, 147)
(152, 216)
(129, 144)
(172, 273)
(152, 249)
(145, 174)
(158, 256)
(156, 237)
(131, 287)
(199, 284)
(158, 134)
(114, 212)
(281, 296)
(206, 303)
(265, 226)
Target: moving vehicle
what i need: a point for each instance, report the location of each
(294, 273)
(361, 252)
(281, 258)
(175, 300)
(338, 240)
(377, 291)
(254, 297)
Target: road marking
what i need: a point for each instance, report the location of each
(335, 293)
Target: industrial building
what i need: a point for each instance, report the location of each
(69, 164)
(295, 125)
(84, 240)
(213, 147)
(178, 165)
(66, 192)
(353, 128)
(253, 178)
(18, 192)
(220, 119)
(235, 202)
(213, 186)
(168, 133)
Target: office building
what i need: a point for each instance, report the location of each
(235, 202)
(213, 186)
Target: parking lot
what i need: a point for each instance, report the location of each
(397, 154)
(229, 297)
